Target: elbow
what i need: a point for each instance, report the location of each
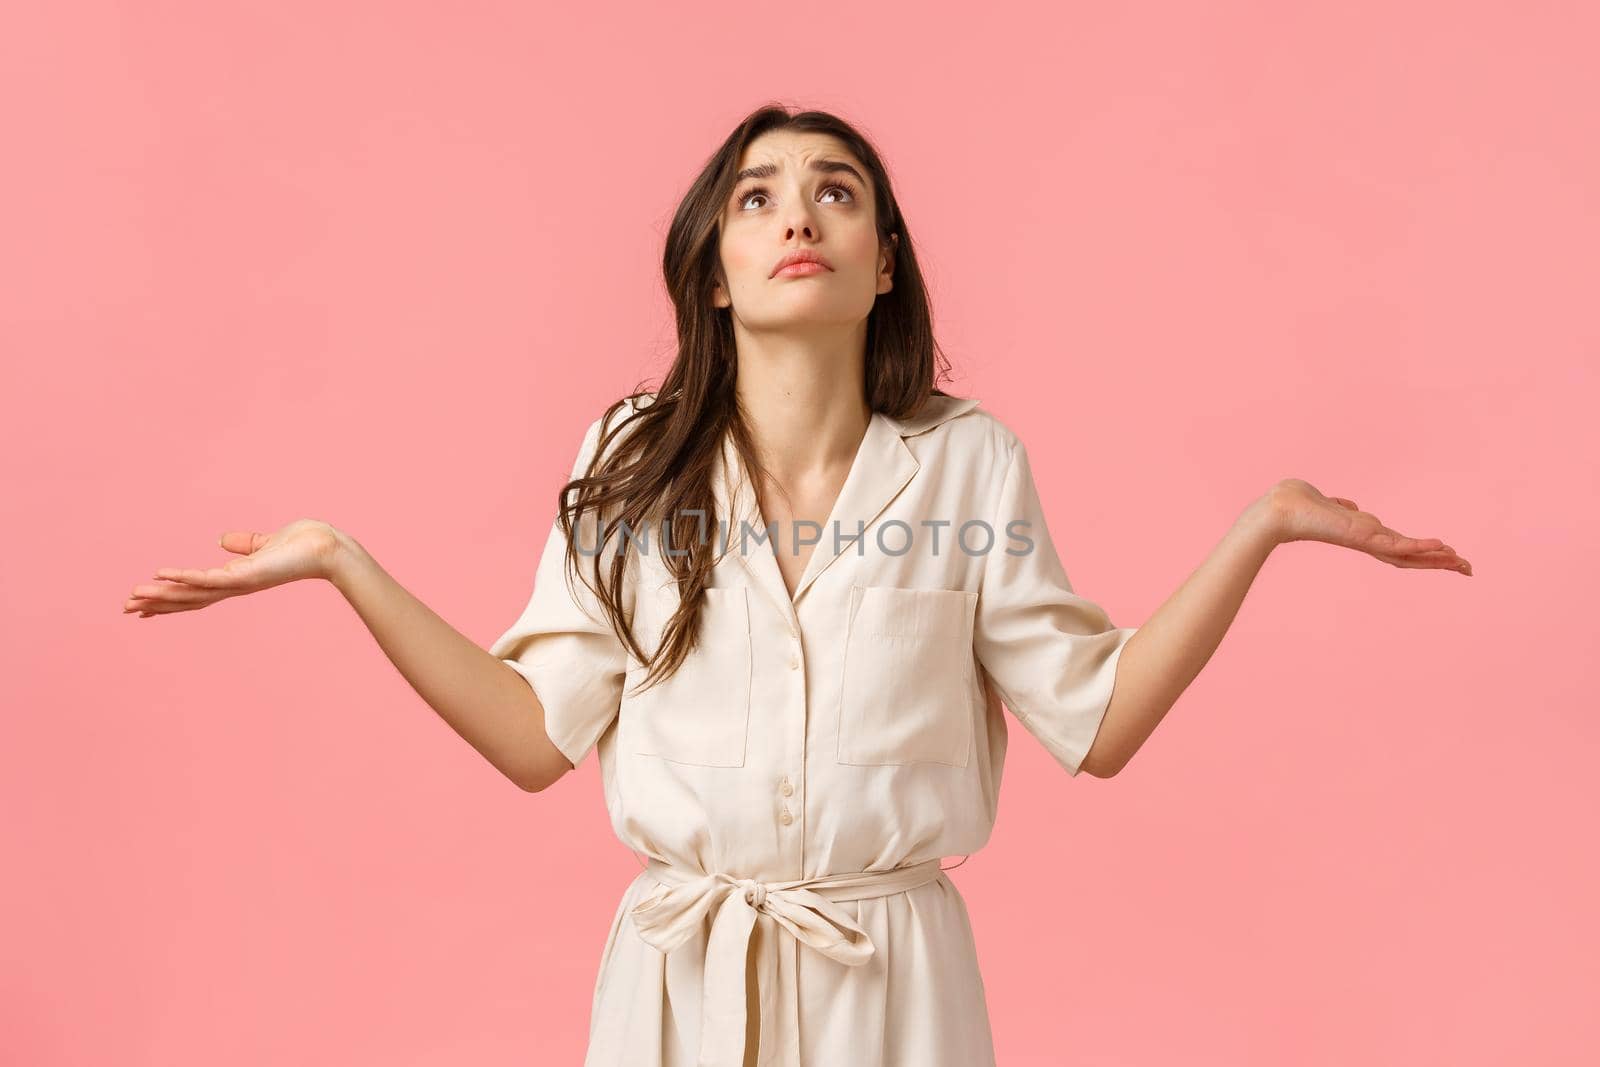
(535, 783)
(539, 778)
(530, 779)
(1094, 769)
(1101, 765)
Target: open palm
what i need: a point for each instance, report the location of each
(1305, 514)
(301, 549)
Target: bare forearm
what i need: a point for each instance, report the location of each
(1160, 661)
(483, 700)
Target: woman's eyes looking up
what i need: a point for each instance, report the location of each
(761, 191)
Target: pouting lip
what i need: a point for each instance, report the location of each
(800, 256)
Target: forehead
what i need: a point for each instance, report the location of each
(791, 148)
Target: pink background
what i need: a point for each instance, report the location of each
(379, 264)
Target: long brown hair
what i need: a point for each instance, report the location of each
(657, 462)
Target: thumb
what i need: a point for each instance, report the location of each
(241, 542)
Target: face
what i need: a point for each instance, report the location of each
(802, 200)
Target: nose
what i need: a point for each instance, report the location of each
(800, 219)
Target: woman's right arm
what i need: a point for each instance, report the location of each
(486, 702)
(483, 699)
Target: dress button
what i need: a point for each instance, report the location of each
(794, 663)
(786, 817)
(788, 790)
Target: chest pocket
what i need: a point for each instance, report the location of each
(701, 714)
(909, 685)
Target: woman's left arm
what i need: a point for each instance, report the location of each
(1168, 651)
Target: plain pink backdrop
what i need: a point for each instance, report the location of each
(380, 264)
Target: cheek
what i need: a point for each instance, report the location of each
(863, 247)
(738, 261)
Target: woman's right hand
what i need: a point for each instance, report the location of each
(303, 549)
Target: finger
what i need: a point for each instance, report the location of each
(1442, 558)
(1344, 503)
(193, 598)
(1396, 543)
(156, 607)
(1412, 546)
(1446, 555)
(1427, 562)
(1402, 561)
(146, 606)
(171, 592)
(213, 578)
(1401, 544)
(177, 592)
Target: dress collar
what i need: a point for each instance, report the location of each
(883, 465)
(935, 409)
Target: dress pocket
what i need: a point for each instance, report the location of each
(701, 714)
(908, 686)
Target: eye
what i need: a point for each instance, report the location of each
(851, 193)
(761, 191)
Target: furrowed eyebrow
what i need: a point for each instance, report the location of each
(818, 166)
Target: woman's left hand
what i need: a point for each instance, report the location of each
(1298, 512)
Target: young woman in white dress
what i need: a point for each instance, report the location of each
(792, 732)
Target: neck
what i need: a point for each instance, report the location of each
(804, 400)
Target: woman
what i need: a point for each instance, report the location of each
(797, 708)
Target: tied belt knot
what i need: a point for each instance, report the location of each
(805, 910)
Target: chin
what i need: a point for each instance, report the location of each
(814, 319)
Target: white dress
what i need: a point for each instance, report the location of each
(856, 727)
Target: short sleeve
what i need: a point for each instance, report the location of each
(562, 644)
(1050, 653)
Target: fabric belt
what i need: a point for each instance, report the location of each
(807, 908)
